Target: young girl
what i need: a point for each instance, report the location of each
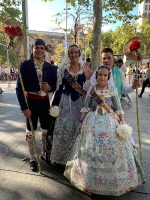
(100, 162)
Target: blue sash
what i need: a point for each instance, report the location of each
(100, 102)
(74, 84)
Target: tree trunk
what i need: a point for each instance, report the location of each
(96, 35)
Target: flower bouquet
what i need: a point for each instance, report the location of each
(54, 111)
(124, 131)
(14, 33)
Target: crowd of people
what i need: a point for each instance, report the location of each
(130, 70)
(8, 74)
(95, 157)
(130, 74)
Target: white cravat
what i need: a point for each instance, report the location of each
(111, 80)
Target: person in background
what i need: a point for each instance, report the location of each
(122, 67)
(146, 83)
(38, 79)
(129, 72)
(147, 65)
(54, 67)
(88, 61)
(1, 91)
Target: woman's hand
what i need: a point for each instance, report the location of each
(87, 70)
(122, 122)
(79, 127)
(27, 113)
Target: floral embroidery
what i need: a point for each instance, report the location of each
(99, 162)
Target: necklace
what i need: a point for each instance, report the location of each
(74, 72)
(74, 69)
(103, 86)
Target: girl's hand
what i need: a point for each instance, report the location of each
(122, 122)
(79, 127)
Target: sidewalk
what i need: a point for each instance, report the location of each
(17, 182)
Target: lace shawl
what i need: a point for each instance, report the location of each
(66, 64)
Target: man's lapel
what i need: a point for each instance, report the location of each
(31, 66)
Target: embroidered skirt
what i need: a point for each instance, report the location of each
(65, 128)
(100, 162)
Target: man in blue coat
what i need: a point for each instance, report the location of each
(39, 79)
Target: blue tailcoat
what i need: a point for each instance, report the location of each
(31, 84)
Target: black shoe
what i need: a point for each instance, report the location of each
(33, 165)
(43, 157)
(140, 95)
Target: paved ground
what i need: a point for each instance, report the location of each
(17, 182)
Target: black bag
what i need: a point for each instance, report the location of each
(49, 138)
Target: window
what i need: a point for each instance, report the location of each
(145, 7)
(149, 7)
(145, 14)
(149, 14)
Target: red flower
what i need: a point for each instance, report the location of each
(144, 182)
(135, 45)
(48, 48)
(13, 31)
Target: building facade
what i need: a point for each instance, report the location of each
(144, 8)
(52, 38)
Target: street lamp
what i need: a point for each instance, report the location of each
(7, 53)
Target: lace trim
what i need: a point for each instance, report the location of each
(39, 71)
(107, 93)
(85, 109)
(37, 64)
(66, 64)
(119, 112)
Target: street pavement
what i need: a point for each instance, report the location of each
(18, 182)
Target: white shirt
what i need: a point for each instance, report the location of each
(111, 80)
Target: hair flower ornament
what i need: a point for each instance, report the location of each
(48, 48)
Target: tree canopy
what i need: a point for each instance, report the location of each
(113, 10)
(10, 9)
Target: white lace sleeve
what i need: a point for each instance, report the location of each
(86, 85)
(60, 77)
(85, 109)
(126, 88)
(119, 112)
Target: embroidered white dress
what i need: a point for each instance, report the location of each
(69, 114)
(100, 162)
